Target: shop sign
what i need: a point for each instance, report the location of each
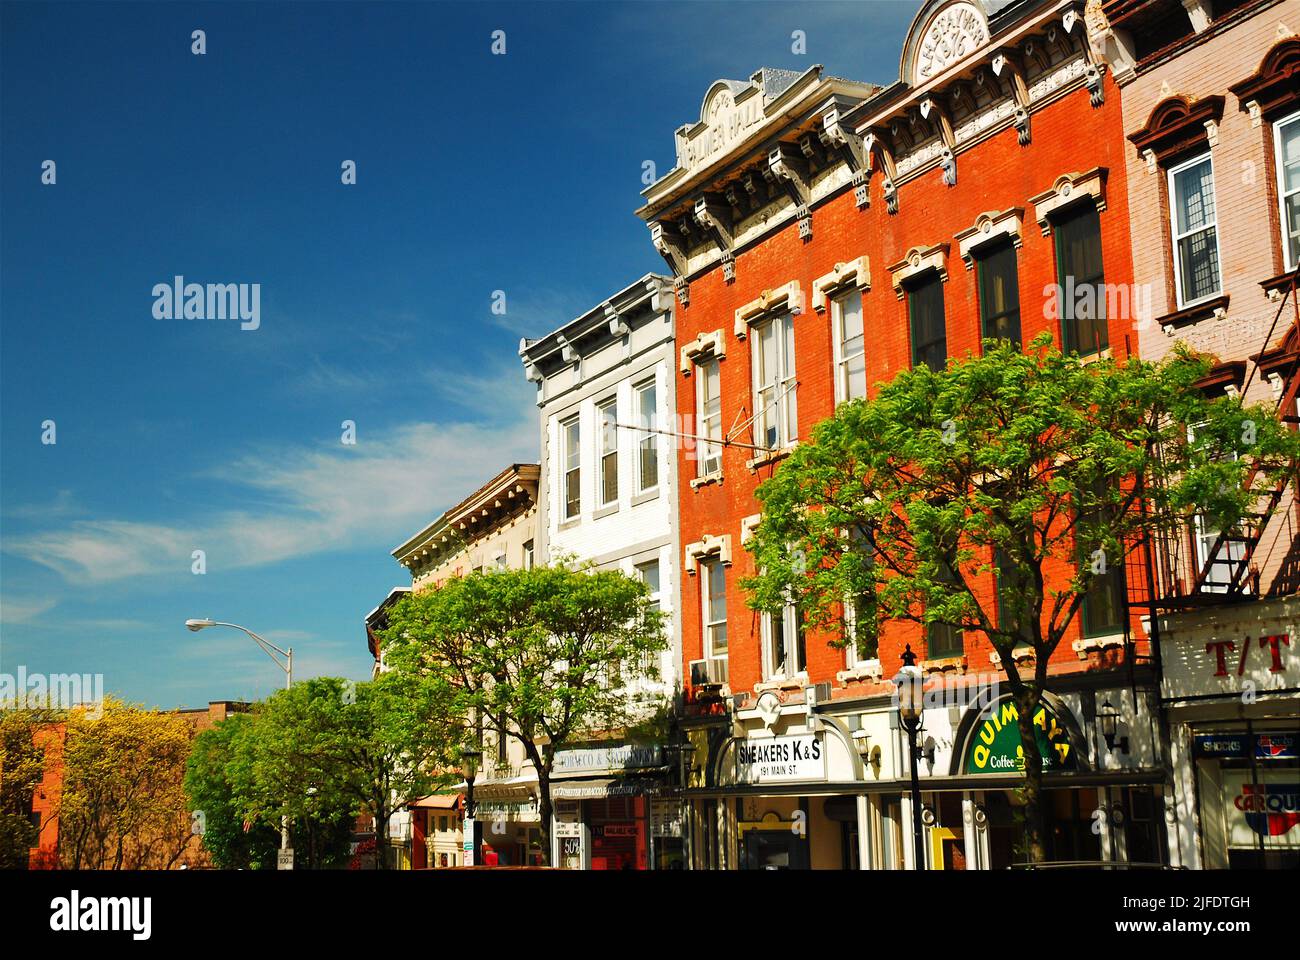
(666, 819)
(776, 759)
(1208, 663)
(625, 756)
(1268, 746)
(614, 831)
(565, 829)
(1267, 807)
(996, 747)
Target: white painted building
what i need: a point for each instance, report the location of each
(607, 495)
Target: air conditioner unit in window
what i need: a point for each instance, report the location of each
(817, 694)
(708, 673)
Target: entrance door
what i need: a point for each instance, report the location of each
(774, 850)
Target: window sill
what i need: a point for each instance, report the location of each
(1089, 645)
(782, 683)
(605, 511)
(1275, 288)
(570, 523)
(868, 670)
(944, 665)
(645, 496)
(706, 480)
(1216, 307)
(1105, 354)
(1020, 654)
(771, 456)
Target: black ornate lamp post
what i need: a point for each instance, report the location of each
(910, 707)
(469, 761)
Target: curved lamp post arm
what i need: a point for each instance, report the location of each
(269, 648)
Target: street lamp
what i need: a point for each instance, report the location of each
(469, 761)
(194, 626)
(910, 709)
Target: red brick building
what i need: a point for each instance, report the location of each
(824, 235)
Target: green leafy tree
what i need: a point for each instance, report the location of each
(329, 745)
(543, 655)
(1020, 461)
(215, 785)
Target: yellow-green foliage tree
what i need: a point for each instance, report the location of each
(124, 805)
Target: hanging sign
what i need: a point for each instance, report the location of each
(996, 747)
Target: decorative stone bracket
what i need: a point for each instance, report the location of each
(786, 298)
(989, 227)
(1067, 190)
(788, 166)
(916, 262)
(855, 273)
(704, 549)
(705, 345)
(748, 525)
(668, 240)
(853, 150)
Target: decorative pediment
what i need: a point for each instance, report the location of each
(705, 346)
(917, 261)
(1274, 90)
(1178, 125)
(855, 273)
(990, 227)
(1068, 190)
(942, 35)
(784, 299)
(706, 548)
(748, 525)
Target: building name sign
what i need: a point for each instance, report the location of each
(1205, 663)
(723, 124)
(777, 759)
(625, 756)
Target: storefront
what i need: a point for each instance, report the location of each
(609, 810)
(1232, 690)
(510, 830)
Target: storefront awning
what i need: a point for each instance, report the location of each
(519, 789)
(603, 787)
(439, 801)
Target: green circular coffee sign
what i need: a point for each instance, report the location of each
(996, 747)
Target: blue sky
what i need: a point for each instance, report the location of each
(475, 173)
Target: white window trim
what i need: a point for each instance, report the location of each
(784, 384)
(565, 470)
(638, 390)
(602, 453)
(1175, 237)
(837, 342)
(790, 624)
(701, 459)
(1281, 182)
(706, 603)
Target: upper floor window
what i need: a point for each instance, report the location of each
(1103, 608)
(850, 352)
(1195, 234)
(929, 329)
(647, 476)
(1287, 140)
(713, 595)
(528, 555)
(571, 435)
(607, 415)
(775, 415)
(784, 645)
(1082, 280)
(999, 291)
(708, 407)
(944, 639)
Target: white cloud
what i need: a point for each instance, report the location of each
(23, 610)
(311, 499)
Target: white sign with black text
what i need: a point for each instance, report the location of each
(776, 759)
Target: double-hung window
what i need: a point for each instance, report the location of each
(1286, 137)
(1195, 229)
(571, 438)
(1081, 279)
(708, 452)
(784, 645)
(999, 292)
(775, 413)
(944, 639)
(607, 416)
(850, 352)
(929, 328)
(1103, 607)
(647, 451)
(713, 593)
